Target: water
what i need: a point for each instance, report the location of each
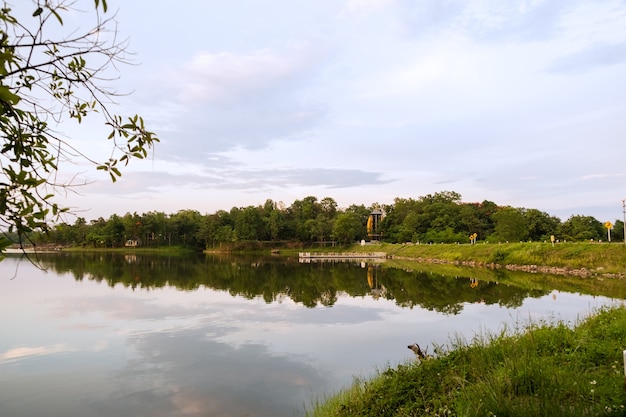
(103, 335)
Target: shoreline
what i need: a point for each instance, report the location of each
(543, 269)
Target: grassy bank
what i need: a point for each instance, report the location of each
(539, 369)
(594, 258)
(161, 250)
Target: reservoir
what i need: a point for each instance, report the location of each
(105, 335)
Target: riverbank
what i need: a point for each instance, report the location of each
(580, 259)
(576, 259)
(539, 369)
(535, 370)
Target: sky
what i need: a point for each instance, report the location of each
(521, 102)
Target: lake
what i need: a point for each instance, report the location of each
(137, 335)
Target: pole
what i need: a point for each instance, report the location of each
(624, 210)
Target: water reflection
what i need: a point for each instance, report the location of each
(275, 278)
(103, 335)
(183, 372)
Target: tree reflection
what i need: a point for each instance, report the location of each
(313, 284)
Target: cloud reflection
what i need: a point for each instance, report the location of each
(186, 373)
(18, 353)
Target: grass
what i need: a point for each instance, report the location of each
(161, 250)
(538, 369)
(600, 258)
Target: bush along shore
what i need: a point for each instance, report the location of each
(537, 369)
(581, 259)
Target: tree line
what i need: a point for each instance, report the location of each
(435, 218)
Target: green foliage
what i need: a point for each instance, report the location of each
(44, 79)
(441, 217)
(349, 227)
(539, 369)
(309, 222)
(510, 225)
(541, 225)
(563, 258)
(498, 256)
(447, 235)
(617, 232)
(579, 228)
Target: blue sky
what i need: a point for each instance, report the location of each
(519, 102)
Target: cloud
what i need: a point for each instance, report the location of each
(595, 56)
(226, 76)
(521, 20)
(253, 124)
(398, 94)
(430, 17)
(224, 100)
(603, 176)
(146, 183)
(490, 21)
(366, 7)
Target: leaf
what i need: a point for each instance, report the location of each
(54, 12)
(104, 4)
(38, 12)
(7, 96)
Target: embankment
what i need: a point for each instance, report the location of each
(580, 259)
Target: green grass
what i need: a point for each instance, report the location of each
(538, 369)
(161, 250)
(601, 258)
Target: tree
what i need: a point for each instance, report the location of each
(152, 229)
(321, 227)
(407, 232)
(249, 224)
(186, 225)
(272, 220)
(477, 218)
(396, 225)
(582, 228)
(275, 224)
(329, 207)
(348, 227)
(96, 235)
(440, 217)
(302, 210)
(114, 231)
(510, 224)
(541, 225)
(50, 74)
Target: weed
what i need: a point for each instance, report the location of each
(539, 369)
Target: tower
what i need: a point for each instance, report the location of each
(373, 225)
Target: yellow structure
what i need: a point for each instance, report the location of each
(373, 225)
